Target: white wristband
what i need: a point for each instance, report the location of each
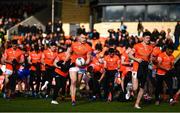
(134, 74)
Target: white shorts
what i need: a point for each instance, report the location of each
(78, 70)
(8, 72)
(74, 69)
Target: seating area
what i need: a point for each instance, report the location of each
(12, 13)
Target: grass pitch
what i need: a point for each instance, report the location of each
(21, 104)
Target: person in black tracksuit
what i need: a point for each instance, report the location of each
(35, 74)
(112, 64)
(62, 67)
(177, 70)
(177, 34)
(94, 84)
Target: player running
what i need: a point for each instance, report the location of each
(78, 49)
(140, 67)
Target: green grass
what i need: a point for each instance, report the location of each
(42, 105)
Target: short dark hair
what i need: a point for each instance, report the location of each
(36, 47)
(171, 47)
(53, 44)
(111, 50)
(146, 34)
(14, 42)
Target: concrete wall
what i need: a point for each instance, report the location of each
(132, 26)
(66, 27)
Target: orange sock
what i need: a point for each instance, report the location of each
(110, 96)
(73, 98)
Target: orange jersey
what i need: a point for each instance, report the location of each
(155, 53)
(68, 41)
(35, 58)
(11, 54)
(98, 67)
(104, 50)
(94, 42)
(112, 63)
(127, 67)
(166, 62)
(80, 50)
(19, 38)
(49, 57)
(121, 50)
(143, 51)
(43, 68)
(61, 56)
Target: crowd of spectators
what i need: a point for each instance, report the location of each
(14, 12)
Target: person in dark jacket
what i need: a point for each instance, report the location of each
(155, 35)
(81, 30)
(177, 34)
(140, 28)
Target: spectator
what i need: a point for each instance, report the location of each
(20, 30)
(2, 39)
(58, 27)
(26, 29)
(81, 30)
(99, 46)
(111, 33)
(140, 28)
(169, 35)
(13, 12)
(155, 35)
(163, 34)
(123, 27)
(48, 27)
(95, 34)
(39, 30)
(33, 29)
(177, 34)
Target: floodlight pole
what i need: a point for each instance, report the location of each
(52, 18)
